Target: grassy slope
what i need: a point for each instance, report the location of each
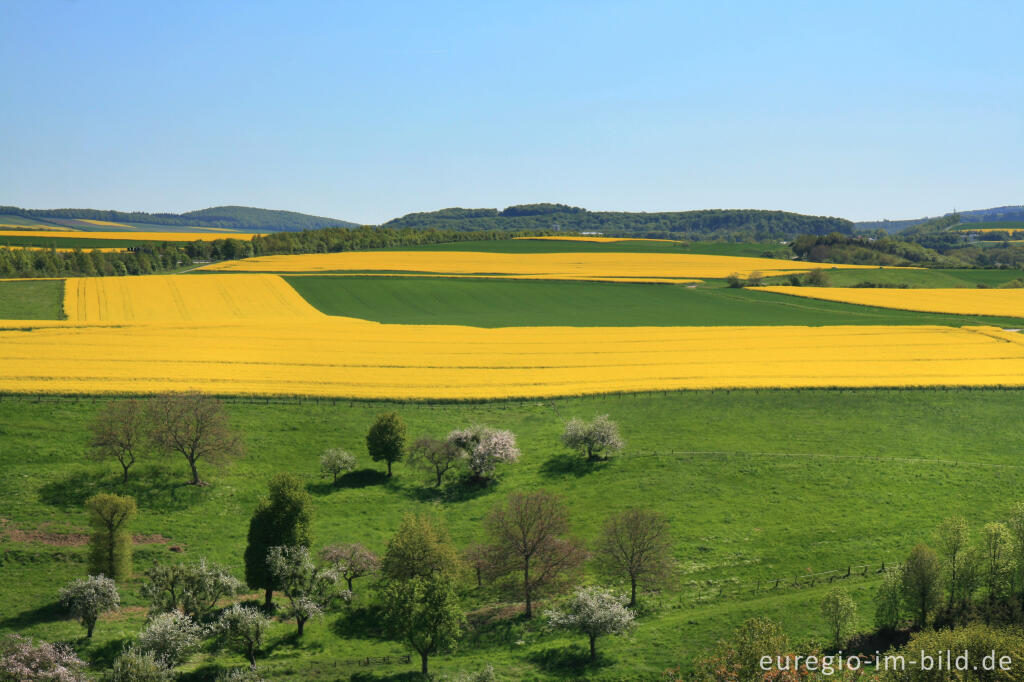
(483, 303)
(31, 300)
(736, 517)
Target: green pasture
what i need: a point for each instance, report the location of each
(758, 485)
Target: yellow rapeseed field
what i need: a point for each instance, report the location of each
(138, 236)
(994, 302)
(344, 357)
(211, 298)
(637, 266)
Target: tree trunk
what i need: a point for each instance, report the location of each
(632, 593)
(479, 577)
(268, 600)
(593, 648)
(349, 581)
(89, 629)
(112, 569)
(251, 651)
(125, 467)
(526, 590)
(301, 622)
(423, 664)
(195, 472)
(389, 468)
(439, 475)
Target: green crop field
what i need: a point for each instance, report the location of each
(83, 243)
(758, 485)
(31, 300)
(488, 303)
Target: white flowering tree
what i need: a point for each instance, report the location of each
(309, 588)
(593, 438)
(484, 448)
(335, 462)
(593, 611)
(88, 598)
(244, 628)
(171, 637)
(25, 660)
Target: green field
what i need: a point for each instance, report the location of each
(758, 485)
(83, 243)
(490, 303)
(31, 300)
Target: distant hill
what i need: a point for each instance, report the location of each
(998, 214)
(223, 217)
(735, 224)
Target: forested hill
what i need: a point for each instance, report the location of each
(737, 224)
(998, 214)
(233, 217)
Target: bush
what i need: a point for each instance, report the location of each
(335, 462)
(134, 665)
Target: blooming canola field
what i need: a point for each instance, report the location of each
(345, 357)
(993, 302)
(585, 265)
(209, 298)
(253, 334)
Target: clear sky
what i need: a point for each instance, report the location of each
(369, 110)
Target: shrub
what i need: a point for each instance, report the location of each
(23, 660)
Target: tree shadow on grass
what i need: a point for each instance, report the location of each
(573, 661)
(363, 622)
(572, 465)
(151, 487)
(408, 676)
(462, 490)
(103, 655)
(48, 613)
(362, 478)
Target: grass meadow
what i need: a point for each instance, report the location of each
(758, 485)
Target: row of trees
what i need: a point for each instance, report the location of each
(963, 579)
(48, 262)
(480, 448)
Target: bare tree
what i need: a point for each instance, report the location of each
(436, 456)
(635, 544)
(477, 557)
(120, 432)
(526, 538)
(351, 561)
(195, 426)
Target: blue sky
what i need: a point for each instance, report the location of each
(370, 110)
